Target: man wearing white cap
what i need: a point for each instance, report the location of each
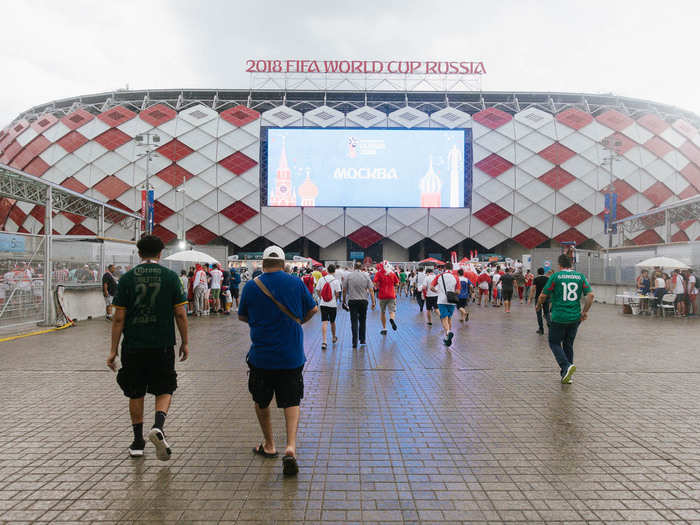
(275, 305)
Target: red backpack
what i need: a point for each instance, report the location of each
(327, 291)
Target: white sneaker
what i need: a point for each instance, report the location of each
(566, 379)
(157, 437)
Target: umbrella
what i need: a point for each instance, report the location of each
(314, 262)
(431, 260)
(662, 262)
(192, 256)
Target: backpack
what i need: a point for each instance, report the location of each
(327, 292)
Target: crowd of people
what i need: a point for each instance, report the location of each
(682, 284)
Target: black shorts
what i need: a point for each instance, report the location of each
(234, 291)
(286, 385)
(507, 295)
(462, 303)
(681, 298)
(431, 303)
(328, 313)
(147, 370)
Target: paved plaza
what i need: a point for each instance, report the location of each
(402, 430)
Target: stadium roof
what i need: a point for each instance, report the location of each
(387, 101)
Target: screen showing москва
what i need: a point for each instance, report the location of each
(366, 167)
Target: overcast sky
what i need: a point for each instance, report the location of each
(61, 48)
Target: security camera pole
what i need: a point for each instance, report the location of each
(149, 141)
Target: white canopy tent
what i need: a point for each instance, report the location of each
(662, 262)
(191, 256)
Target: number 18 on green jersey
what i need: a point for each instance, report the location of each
(565, 289)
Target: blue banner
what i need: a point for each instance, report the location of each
(357, 256)
(11, 243)
(150, 210)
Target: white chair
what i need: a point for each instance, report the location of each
(668, 303)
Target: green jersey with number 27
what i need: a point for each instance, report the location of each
(565, 289)
(149, 293)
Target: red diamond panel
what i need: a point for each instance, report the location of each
(112, 139)
(174, 174)
(686, 224)
(572, 234)
(621, 213)
(44, 122)
(116, 116)
(658, 146)
(530, 238)
(686, 129)
(119, 205)
(79, 229)
(72, 141)
(648, 237)
(690, 191)
(38, 212)
(679, 236)
(17, 215)
(365, 236)
(657, 193)
(491, 214)
(691, 151)
(556, 153)
(157, 115)
(174, 150)
(238, 163)
(240, 115)
(10, 152)
(30, 151)
(164, 234)
(5, 208)
(200, 235)
(615, 120)
(239, 212)
(574, 118)
(653, 123)
(574, 215)
(76, 219)
(620, 143)
(78, 118)
(74, 184)
(161, 212)
(623, 189)
(493, 165)
(557, 178)
(492, 118)
(111, 187)
(37, 167)
(691, 173)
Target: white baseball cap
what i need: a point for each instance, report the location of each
(274, 253)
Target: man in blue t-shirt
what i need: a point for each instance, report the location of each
(275, 305)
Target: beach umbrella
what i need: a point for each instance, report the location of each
(663, 262)
(191, 256)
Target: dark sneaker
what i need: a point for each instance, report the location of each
(362, 343)
(383, 332)
(157, 437)
(393, 324)
(136, 448)
(566, 378)
(539, 332)
(450, 335)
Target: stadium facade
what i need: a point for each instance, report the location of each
(539, 172)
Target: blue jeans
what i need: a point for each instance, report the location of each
(543, 312)
(561, 341)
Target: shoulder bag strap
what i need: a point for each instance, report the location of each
(443, 283)
(279, 305)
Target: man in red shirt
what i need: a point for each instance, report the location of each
(483, 282)
(387, 282)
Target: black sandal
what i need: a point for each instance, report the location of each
(260, 451)
(323, 346)
(290, 467)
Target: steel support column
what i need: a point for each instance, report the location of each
(48, 270)
(667, 227)
(101, 233)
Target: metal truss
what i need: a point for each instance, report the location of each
(385, 94)
(681, 211)
(20, 186)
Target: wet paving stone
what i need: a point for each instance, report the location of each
(403, 430)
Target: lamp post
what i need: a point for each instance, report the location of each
(183, 242)
(612, 146)
(148, 140)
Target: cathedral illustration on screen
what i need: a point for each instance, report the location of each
(285, 193)
(431, 183)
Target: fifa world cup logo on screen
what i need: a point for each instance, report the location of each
(352, 147)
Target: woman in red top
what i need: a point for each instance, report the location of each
(529, 279)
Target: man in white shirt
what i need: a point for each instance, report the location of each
(442, 284)
(679, 290)
(199, 286)
(329, 305)
(692, 293)
(418, 287)
(217, 276)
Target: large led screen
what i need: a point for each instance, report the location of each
(351, 167)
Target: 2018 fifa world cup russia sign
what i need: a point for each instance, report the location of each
(364, 67)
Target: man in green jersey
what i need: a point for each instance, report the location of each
(564, 289)
(150, 299)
